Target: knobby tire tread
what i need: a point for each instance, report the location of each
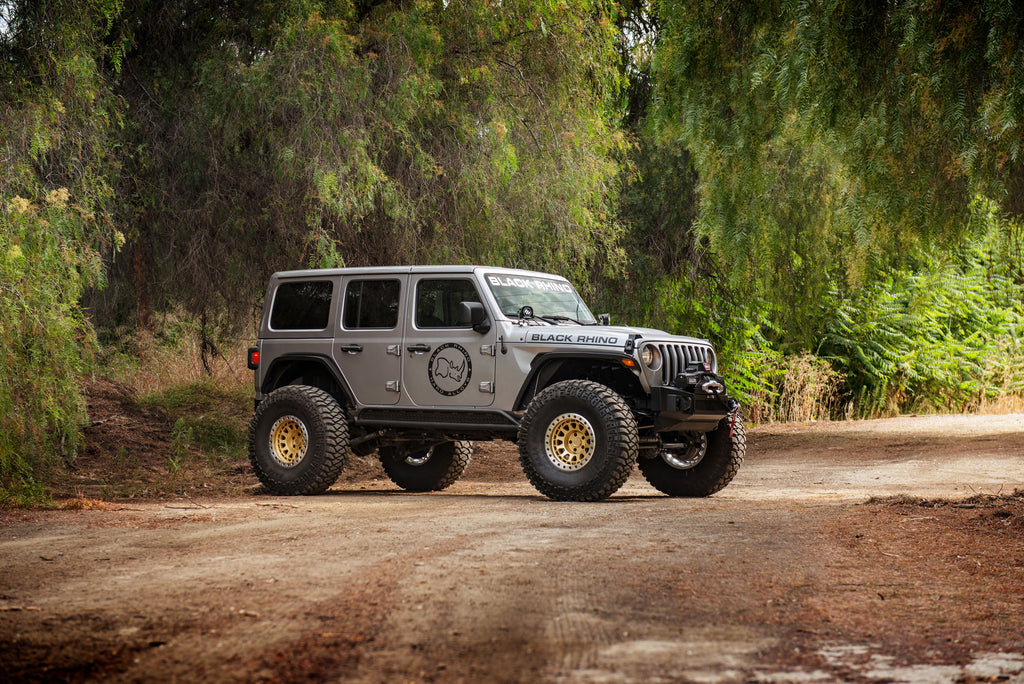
(410, 478)
(624, 441)
(702, 480)
(328, 418)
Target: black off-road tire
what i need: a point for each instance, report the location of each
(425, 469)
(298, 440)
(725, 451)
(578, 441)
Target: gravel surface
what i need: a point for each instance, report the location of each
(873, 551)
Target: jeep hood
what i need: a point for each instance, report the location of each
(648, 334)
(568, 333)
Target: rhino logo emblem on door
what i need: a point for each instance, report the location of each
(450, 369)
(446, 369)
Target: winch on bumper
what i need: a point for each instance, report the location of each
(694, 401)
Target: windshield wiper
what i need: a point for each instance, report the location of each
(555, 319)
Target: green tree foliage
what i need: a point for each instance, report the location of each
(783, 177)
(57, 123)
(309, 134)
(798, 163)
(830, 135)
(676, 279)
(658, 202)
(230, 139)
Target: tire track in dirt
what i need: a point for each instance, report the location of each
(786, 575)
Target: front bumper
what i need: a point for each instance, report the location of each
(691, 407)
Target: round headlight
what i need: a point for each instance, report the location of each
(650, 356)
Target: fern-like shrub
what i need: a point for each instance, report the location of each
(942, 336)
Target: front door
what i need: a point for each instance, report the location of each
(368, 346)
(445, 364)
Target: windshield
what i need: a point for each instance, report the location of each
(550, 299)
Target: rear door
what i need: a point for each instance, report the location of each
(445, 364)
(368, 345)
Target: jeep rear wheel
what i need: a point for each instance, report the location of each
(701, 464)
(578, 441)
(298, 440)
(425, 468)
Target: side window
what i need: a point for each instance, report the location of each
(304, 305)
(371, 304)
(437, 302)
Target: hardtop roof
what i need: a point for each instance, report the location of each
(404, 270)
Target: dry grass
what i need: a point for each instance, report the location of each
(81, 503)
(1002, 404)
(150, 365)
(803, 388)
(810, 390)
(162, 367)
(1007, 376)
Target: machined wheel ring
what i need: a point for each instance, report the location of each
(421, 459)
(289, 441)
(688, 456)
(570, 442)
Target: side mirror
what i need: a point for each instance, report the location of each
(604, 319)
(473, 314)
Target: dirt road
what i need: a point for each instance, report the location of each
(785, 576)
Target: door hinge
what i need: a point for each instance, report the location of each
(395, 349)
(488, 350)
(393, 385)
(487, 386)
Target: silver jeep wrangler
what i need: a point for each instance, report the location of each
(415, 362)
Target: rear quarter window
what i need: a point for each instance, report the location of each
(304, 305)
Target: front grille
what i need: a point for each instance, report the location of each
(676, 357)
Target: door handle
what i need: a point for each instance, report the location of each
(351, 348)
(419, 348)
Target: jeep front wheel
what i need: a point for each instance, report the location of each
(578, 441)
(698, 464)
(298, 440)
(425, 469)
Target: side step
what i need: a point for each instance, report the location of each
(438, 419)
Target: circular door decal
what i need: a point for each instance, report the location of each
(449, 369)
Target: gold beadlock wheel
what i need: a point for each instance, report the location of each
(288, 441)
(578, 441)
(298, 440)
(570, 442)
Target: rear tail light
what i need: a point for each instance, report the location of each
(254, 358)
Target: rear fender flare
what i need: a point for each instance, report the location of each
(282, 364)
